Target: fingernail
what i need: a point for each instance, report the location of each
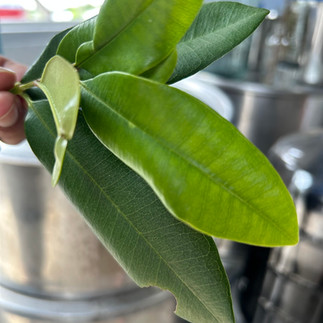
(10, 118)
(6, 70)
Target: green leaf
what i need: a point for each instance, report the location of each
(36, 70)
(60, 83)
(84, 51)
(162, 72)
(80, 34)
(109, 24)
(205, 172)
(59, 153)
(139, 42)
(97, 31)
(218, 28)
(152, 246)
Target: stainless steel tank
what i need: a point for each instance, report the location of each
(293, 285)
(52, 267)
(264, 113)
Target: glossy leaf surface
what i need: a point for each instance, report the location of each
(114, 17)
(200, 166)
(60, 83)
(151, 245)
(162, 72)
(145, 40)
(218, 28)
(112, 20)
(78, 35)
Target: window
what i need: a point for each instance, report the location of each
(47, 10)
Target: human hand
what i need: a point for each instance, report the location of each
(12, 107)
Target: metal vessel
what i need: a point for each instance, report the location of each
(293, 285)
(52, 267)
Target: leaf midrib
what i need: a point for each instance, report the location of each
(124, 215)
(115, 36)
(191, 162)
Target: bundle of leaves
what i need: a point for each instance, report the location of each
(155, 172)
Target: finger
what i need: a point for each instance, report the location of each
(7, 79)
(18, 68)
(12, 115)
(8, 109)
(14, 134)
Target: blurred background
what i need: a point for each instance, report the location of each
(269, 87)
(27, 25)
(46, 10)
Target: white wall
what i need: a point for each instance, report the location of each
(24, 42)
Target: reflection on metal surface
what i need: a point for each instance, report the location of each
(138, 305)
(264, 114)
(293, 286)
(209, 94)
(52, 267)
(46, 247)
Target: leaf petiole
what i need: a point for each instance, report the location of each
(19, 88)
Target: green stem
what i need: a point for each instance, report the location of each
(20, 88)
(26, 97)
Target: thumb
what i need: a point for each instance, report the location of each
(12, 115)
(9, 109)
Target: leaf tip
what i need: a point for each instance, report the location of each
(56, 173)
(59, 151)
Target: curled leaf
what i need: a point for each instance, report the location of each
(60, 83)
